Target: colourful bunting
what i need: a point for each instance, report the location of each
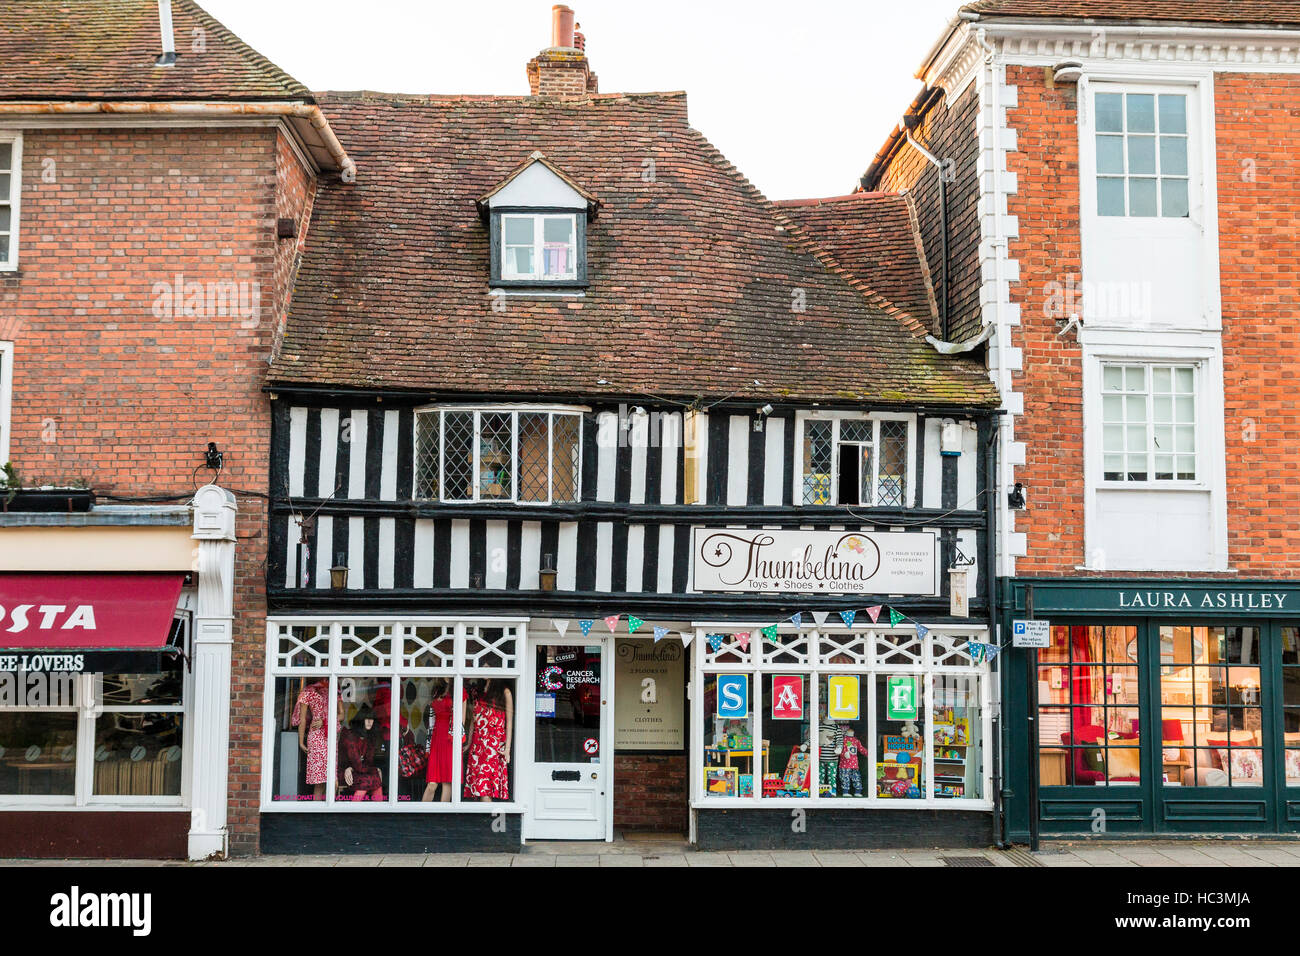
(847, 617)
(586, 627)
(819, 617)
(715, 642)
(742, 640)
(633, 624)
(660, 633)
(611, 622)
(874, 613)
(921, 631)
(686, 639)
(896, 617)
(992, 652)
(562, 627)
(770, 632)
(976, 650)
(797, 618)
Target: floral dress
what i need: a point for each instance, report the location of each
(486, 775)
(313, 697)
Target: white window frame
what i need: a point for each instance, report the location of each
(508, 274)
(90, 710)
(752, 664)
(1190, 135)
(15, 138)
(1204, 352)
(6, 397)
(395, 672)
(802, 418)
(552, 411)
(1198, 374)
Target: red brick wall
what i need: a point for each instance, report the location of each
(650, 792)
(113, 388)
(1046, 165)
(1258, 126)
(1259, 199)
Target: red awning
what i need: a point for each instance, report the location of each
(87, 612)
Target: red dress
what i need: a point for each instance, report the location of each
(486, 774)
(313, 695)
(441, 740)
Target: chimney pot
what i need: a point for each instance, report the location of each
(561, 26)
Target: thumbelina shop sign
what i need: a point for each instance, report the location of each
(814, 562)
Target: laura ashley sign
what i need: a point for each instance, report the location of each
(816, 562)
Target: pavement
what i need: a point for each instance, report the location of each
(661, 852)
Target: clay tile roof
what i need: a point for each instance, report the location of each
(697, 288)
(875, 238)
(106, 49)
(1234, 12)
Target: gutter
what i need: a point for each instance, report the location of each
(296, 111)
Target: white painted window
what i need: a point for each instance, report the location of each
(11, 156)
(855, 460)
(888, 714)
(391, 696)
(90, 739)
(526, 456)
(1149, 422)
(541, 247)
(1142, 150)
(6, 396)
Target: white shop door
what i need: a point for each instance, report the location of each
(571, 769)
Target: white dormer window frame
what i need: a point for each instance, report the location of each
(11, 165)
(545, 252)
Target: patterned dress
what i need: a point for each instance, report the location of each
(486, 774)
(313, 697)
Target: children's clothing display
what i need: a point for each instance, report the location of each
(830, 738)
(850, 773)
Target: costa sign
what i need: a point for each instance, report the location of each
(814, 562)
(92, 611)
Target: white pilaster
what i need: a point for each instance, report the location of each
(214, 530)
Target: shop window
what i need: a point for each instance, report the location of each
(855, 461)
(1211, 714)
(1149, 423)
(733, 764)
(87, 739)
(1089, 732)
(1291, 704)
(1142, 155)
(853, 715)
(10, 172)
(465, 455)
(341, 737)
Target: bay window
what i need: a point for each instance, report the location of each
(498, 454)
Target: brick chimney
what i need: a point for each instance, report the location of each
(562, 68)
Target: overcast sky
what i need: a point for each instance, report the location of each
(799, 96)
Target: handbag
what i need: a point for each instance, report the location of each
(411, 760)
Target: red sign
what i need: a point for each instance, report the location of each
(591, 745)
(87, 611)
(787, 697)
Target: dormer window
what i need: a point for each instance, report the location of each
(537, 218)
(542, 248)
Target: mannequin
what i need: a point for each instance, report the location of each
(439, 717)
(830, 739)
(310, 714)
(357, 746)
(850, 775)
(488, 743)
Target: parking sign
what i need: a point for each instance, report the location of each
(1031, 634)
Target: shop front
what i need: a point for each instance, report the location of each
(114, 681)
(1158, 706)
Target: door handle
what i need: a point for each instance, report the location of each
(593, 776)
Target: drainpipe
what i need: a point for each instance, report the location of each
(906, 124)
(991, 589)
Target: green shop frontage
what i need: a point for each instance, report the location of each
(1151, 707)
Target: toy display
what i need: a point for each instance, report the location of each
(721, 781)
(951, 745)
(898, 780)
